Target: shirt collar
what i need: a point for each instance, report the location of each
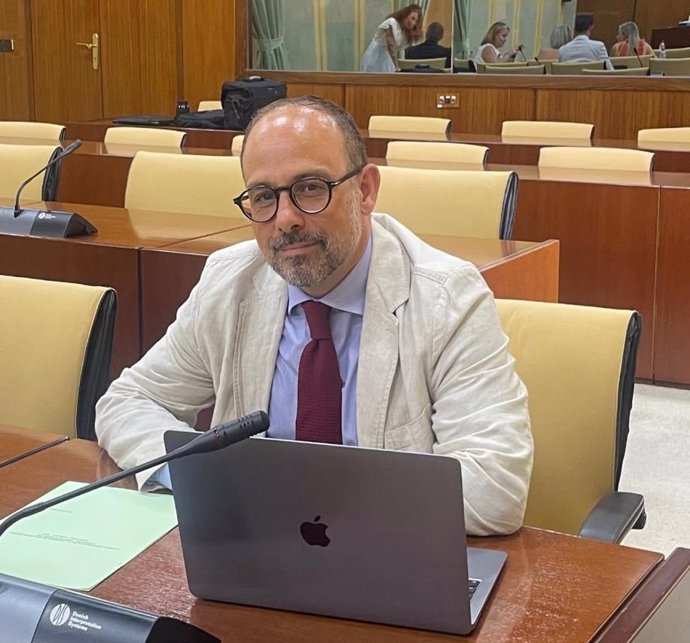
(348, 295)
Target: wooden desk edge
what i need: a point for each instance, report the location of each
(648, 598)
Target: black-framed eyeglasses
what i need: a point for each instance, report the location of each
(310, 194)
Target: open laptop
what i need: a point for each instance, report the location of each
(340, 531)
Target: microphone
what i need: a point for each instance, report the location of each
(58, 157)
(44, 223)
(522, 53)
(211, 440)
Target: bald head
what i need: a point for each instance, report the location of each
(303, 111)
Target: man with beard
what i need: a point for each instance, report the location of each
(420, 361)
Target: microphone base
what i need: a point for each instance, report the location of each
(44, 223)
(34, 613)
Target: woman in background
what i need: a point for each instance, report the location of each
(495, 38)
(559, 36)
(401, 29)
(629, 42)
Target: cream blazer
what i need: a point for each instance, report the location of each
(434, 374)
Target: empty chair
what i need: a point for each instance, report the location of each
(462, 64)
(678, 52)
(436, 151)
(55, 342)
(525, 70)
(663, 135)
(436, 63)
(574, 68)
(630, 61)
(405, 124)
(190, 183)
(144, 136)
(578, 364)
(40, 132)
(19, 162)
(596, 158)
(548, 129)
(453, 202)
(205, 105)
(630, 71)
(481, 67)
(670, 66)
(236, 145)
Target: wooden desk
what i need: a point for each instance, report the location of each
(17, 443)
(108, 258)
(503, 150)
(554, 587)
(513, 269)
(658, 613)
(97, 172)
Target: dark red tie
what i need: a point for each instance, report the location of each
(319, 393)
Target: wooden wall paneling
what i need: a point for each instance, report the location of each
(615, 114)
(241, 36)
(608, 245)
(208, 43)
(336, 93)
(120, 63)
(653, 14)
(65, 85)
(481, 109)
(608, 15)
(16, 98)
(158, 30)
(672, 339)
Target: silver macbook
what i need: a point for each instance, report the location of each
(340, 531)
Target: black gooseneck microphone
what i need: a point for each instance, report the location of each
(61, 155)
(522, 53)
(211, 440)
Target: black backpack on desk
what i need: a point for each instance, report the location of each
(242, 98)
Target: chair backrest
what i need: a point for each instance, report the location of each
(41, 132)
(411, 63)
(190, 183)
(525, 70)
(574, 68)
(481, 67)
(406, 124)
(578, 364)
(436, 151)
(462, 63)
(596, 158)
(55, 342)
(144, 136)
(630, 61)
(670, 66)
(236, 145)
(547, 54)
(19, 162)
(477, 204)
(548, 129)
(209, 104)
(664, 135)
(678, 52)
(631, 71)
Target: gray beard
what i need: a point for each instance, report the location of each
(307, 272)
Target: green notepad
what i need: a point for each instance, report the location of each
(79, 543)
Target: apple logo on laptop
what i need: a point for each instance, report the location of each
(314, 533)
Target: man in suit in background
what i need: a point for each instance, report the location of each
(581, 49)
(430, 47)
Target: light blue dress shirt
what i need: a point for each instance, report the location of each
(347, 303)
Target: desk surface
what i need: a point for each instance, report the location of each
(554, 587)
(17, 443)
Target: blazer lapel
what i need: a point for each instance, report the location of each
(259, 328)
(387, 289)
